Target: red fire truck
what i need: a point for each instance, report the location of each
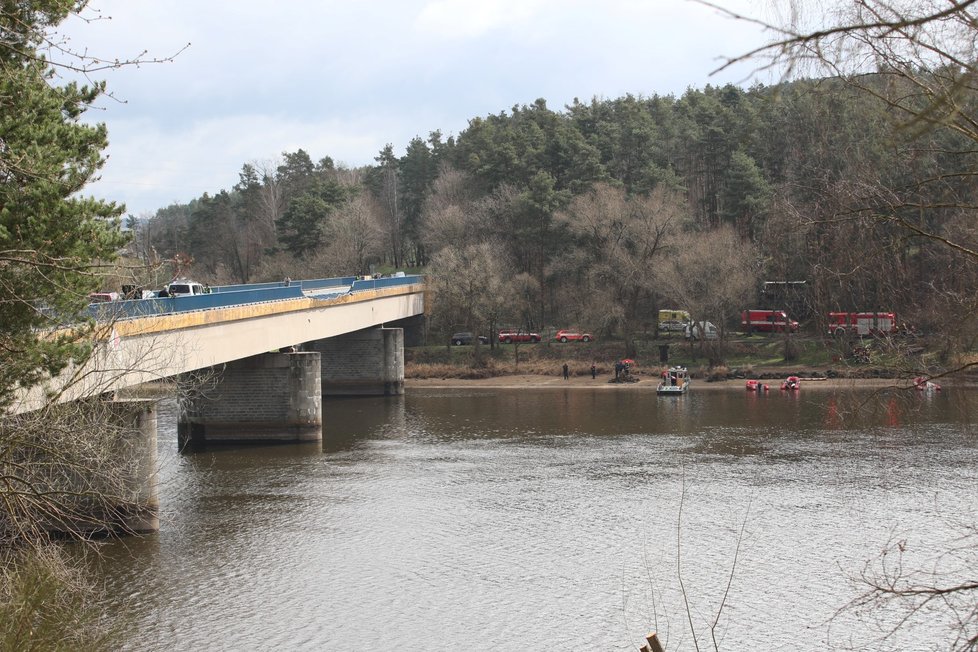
(767, 321)
(862, 323)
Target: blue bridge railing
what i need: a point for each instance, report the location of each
(235, 295)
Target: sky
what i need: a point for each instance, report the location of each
(344, 78)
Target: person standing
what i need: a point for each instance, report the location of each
(593, 372)
(566, 372)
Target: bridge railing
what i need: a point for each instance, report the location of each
(133, 308)
(390, 281)
(310, 284)
(235, 295)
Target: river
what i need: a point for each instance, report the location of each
(565, 519)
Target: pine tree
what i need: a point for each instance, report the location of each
(52, 240)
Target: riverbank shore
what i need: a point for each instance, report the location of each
(644, 383)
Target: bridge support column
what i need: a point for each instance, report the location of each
(121, 496)
(367, 362)
(137, 426)
(272, 397)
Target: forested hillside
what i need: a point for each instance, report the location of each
(598, 214)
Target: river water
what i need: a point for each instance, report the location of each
(552, 518)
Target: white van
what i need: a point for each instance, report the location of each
(184, 288)
(701, 330)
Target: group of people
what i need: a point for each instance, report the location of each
(594, 371)
(621, 369)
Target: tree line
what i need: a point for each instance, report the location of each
(599, 214)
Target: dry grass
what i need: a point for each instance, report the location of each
(713, 373)
(493, 368)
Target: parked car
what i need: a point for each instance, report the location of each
(458, 339)
(572, 336)
(672, 325)
(102, 297)
(510, 336)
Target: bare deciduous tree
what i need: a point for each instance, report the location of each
(469, 288)
(713, 275)
(354, 234)
(450, 216)
(624, 242)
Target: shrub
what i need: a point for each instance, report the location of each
(47, 604)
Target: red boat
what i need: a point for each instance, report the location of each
(791, 383)
(757, 386)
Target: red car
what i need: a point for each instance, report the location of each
(572, 336)
(510, 336)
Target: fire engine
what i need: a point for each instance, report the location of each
(767, 321)
(862, 323)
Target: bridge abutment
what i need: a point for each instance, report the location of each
(272, 397)
(368, 362)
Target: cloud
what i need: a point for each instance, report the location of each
(462, 19)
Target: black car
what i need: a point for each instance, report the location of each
(467, 338)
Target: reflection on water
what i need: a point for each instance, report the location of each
(550, 518)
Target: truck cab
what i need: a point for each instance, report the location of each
(184, 288)
(767, 321)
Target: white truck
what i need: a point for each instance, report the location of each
(701, 330)
(183, 288)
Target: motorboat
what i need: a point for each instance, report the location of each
(757, 386)
(675, 381)
(791, 383)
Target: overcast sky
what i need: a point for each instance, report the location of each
(342, 79)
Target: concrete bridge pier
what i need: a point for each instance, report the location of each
(368, 362)
(137, 424)
(272, 397)
(120, 495)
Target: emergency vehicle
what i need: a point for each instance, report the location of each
(767, 321)
(862, 323)
(674, 315)
(673, 320)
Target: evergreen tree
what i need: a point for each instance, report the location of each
(51, 239)
(384, 184)
(417, 170)
(303, 228)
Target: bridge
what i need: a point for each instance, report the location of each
(250, 363)
(143, 340)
